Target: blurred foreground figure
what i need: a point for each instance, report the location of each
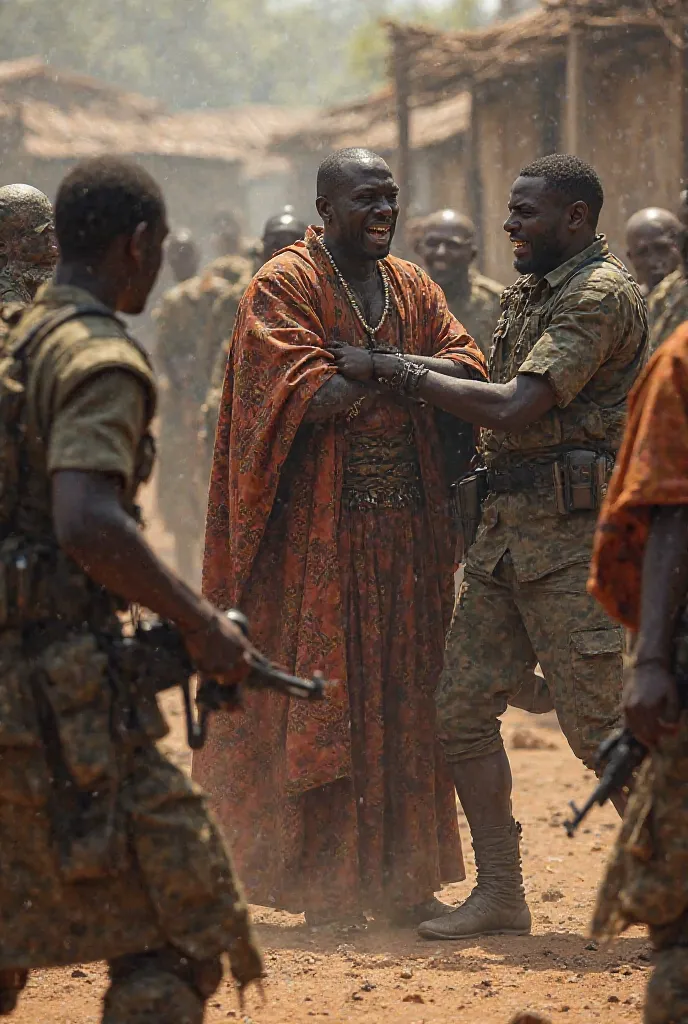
(28, 253)
(106, 849)
(328, 520)
(653, 246)
(447, 249)
(185, 354)
(640, 575)
(568, 347)
(668, 304)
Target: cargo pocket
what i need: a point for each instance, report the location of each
(23, 771)
(183, 861)
(597, 678)
(87, 819)
(78, 690)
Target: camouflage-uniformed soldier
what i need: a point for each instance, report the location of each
(185, 355)
(667, 307)
(106, 849)
(569, 344)
(27, 249)
(653, 246)
(231, 263)
(668, 303)
(447, 249)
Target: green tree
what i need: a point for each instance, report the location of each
(216, 53)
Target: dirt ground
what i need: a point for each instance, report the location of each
(386, 975)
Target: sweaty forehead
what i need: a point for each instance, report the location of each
(355, 173)
(535, 191)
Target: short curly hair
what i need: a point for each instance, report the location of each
(572, 178)
(101, 199)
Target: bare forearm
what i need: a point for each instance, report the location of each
(448, 367)
(335, 397)
(664, 583)
(109, 546)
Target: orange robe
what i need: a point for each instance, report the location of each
(344, 804)
(651, 470)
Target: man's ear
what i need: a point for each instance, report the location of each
(324, 208)
(578, 215)
(137, 242)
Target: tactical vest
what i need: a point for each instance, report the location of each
(38, 581)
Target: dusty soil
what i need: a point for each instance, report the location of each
(386, 975)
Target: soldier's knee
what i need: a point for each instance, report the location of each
(666, 1000)
(11, 984)
(148, 988)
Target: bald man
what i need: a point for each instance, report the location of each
(652, 246)
(447, 250)
(667, 305)
(327, 521)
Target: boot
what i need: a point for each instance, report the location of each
(497, 905)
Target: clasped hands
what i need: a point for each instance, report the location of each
(362, 364)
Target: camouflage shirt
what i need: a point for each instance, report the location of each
(667, 307)
(234, 268)
(583, 327)
(479, 310)
(185, 350)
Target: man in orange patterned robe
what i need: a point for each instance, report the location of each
(329, 525)
(640, 575)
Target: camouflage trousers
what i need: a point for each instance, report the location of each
(500, 630)
(106, 848)
(646, 881)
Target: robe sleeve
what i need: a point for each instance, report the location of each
(277, 363)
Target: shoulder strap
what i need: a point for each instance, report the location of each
(50, 323)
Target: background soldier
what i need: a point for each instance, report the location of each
(185, 354)
(668, 304)
(653, 246)
(106, 849)
(232, 262)
(570, 342)
(640, 575)
(447, 250)
(27, 249)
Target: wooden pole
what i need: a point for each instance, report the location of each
(574, 84)
(402, 87)
(682, 65)
(475, 183)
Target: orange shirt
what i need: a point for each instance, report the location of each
(651, 469)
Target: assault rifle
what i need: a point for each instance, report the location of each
(617, 758)
(156, 657)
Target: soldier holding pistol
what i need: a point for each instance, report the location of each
(106, 849)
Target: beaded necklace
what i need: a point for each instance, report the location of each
(368, 328)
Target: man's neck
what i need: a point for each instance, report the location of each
(460, 285)
(78, 275)
(358, 270)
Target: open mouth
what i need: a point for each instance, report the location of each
(379, 232)
(520, 247)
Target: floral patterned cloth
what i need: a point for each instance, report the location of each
(651, 469)
(350, 790)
